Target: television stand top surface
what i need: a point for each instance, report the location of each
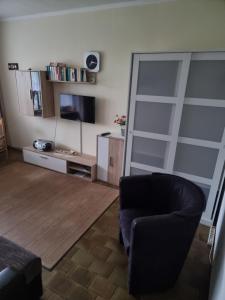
(83, 159)
(67, 152)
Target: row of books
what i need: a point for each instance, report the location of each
(63, 72)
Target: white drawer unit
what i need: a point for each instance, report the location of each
(45, 161)
(80, 165)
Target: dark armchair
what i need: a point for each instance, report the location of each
(159, 215)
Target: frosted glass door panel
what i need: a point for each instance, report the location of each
(202, 122)
(195, 160)
(206, 79)
(153, 117)
(135, 171)
(205, 188)
(148, 151)
(157, 78)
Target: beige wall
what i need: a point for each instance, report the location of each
(182, 25)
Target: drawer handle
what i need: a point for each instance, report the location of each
(44, 157)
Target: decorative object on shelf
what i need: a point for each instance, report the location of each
(92, 61)
(62, 72)
(13, 66)
(122, 122)
(43, 145)
(67, 152)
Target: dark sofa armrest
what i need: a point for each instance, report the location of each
(157, 242)
(12, 284)
(134, 190)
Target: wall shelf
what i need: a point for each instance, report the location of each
(72, 82)
(63, 73)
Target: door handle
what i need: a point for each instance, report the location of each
(31, 94)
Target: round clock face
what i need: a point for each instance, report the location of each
(91, 61)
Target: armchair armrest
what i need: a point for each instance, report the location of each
(170, 230)
(12, 284)
(157, 242)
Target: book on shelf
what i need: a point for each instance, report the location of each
(64, 72)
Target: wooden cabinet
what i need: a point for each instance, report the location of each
(35, 94)
(110, 158)
(3, 145)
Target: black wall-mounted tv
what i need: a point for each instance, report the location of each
(77, 108)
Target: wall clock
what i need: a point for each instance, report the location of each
(92, 61)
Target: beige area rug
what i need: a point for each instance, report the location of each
(47, 212)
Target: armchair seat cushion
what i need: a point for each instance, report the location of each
(126, 218)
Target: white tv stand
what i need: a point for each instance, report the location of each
(83, 166)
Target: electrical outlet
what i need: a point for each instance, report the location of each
(13, 66)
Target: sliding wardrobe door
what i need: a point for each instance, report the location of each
(176, 119)
(200, 151)
(156, 100)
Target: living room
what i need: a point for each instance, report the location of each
(95, 97)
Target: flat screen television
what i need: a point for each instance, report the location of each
(77, 108)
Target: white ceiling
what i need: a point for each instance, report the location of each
(19, 8)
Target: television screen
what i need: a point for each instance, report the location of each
(78, 108)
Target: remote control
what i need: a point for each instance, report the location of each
(105, 133)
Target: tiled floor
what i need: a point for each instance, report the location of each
(96, 268)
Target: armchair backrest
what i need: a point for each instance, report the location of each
(183, 196)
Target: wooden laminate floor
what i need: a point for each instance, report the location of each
(47, 212)
(95, 268)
